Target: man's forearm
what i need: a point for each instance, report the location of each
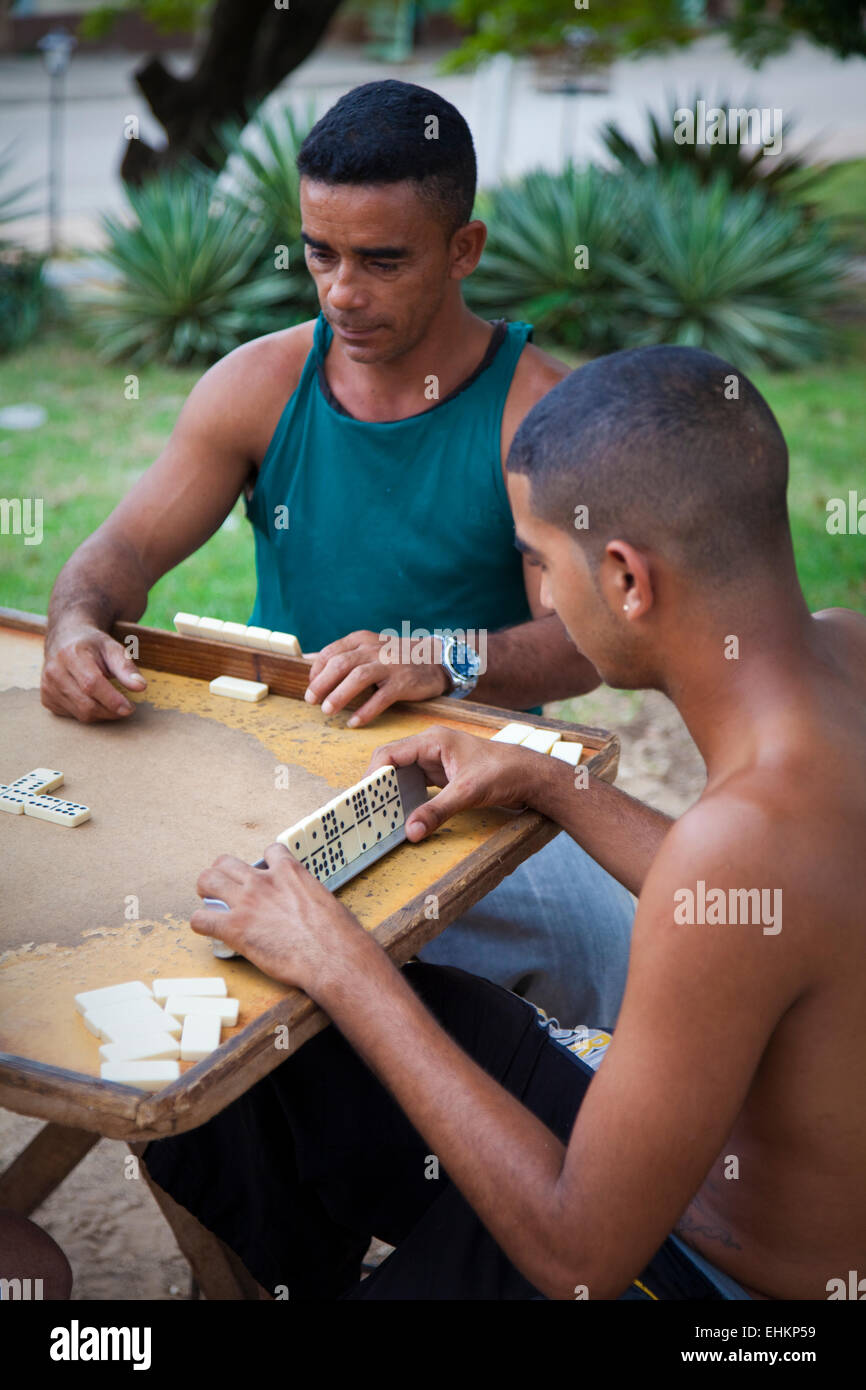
(619, 832)
(533, 663)
(101, 582)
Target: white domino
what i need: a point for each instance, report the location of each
(201, 985)
(541, 740)
(210, 627)
(136, 1016)
(344, 810)
(381, 786)
(13, 801)
(567, 752)
(234, 689)
(233, 632)
(145, 1047)
(148, 1076)
(387, 818)
(221, 950)
(93, 999)
(284, 643)
(295, 841)
(313, 831)
(306, 837)
(351, 843)
(41, 779)
(258, 637)
(512, 733)
(200, 1037)
(187, 623)
(51, 808)
(226, 1010)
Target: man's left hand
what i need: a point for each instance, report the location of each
(343, 669)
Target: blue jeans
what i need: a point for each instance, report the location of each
(556, 931)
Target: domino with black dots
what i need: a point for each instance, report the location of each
(14, 794)
(381, 787)
(51, 808)
(353, 831)
(13, 801)
(40, 780)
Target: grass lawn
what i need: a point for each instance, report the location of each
(840, 192)
(93, 446)
(95, 443)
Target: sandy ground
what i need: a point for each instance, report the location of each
(114, 1236)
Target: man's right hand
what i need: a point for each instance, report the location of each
(472, 772)
(76, 678)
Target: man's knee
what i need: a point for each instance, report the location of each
(29, 1253)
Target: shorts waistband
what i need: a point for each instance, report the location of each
(727, 1287)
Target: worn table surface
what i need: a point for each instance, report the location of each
(161, 811)
(188, 776)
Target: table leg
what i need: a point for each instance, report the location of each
(217, 1270)
(42, 1166)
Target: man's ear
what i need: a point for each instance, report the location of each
(626, 580)
(467, 243)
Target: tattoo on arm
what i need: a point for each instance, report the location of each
(690, 1221)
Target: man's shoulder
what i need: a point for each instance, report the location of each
(744, 841)
(536, 373)
(848, 623)
(730, 824)
(237, 402)
(281, 354)
(241, 396)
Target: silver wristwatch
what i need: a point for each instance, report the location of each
(462, 665)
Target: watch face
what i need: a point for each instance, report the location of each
(465, 661)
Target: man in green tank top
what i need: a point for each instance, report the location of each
(370, 444)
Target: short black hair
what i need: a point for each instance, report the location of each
(669, 448)
(381, 132)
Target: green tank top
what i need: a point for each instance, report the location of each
(375, 525)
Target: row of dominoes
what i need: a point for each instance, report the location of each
(348, 826)
(215, 630)
(350, 833)
(139, 1027)
(26, 797)
(540, 741)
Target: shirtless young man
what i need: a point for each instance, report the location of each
(740, 1041)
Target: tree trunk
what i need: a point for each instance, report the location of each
(251, 47)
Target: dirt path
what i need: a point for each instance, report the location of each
(114, 1237)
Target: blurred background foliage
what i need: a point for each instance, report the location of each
(725, 252)
(758, 257)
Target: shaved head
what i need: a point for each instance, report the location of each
(668, 448)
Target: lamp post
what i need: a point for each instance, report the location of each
(56, 46)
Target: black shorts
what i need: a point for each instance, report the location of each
(298, 1174)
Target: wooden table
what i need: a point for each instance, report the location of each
(67, 924)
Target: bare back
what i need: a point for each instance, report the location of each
(794, 1216)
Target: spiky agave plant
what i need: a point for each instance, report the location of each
(746, 165)
(23, 291)
(261, 175)
(553, 256)
(196, 276)
(728, 271)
